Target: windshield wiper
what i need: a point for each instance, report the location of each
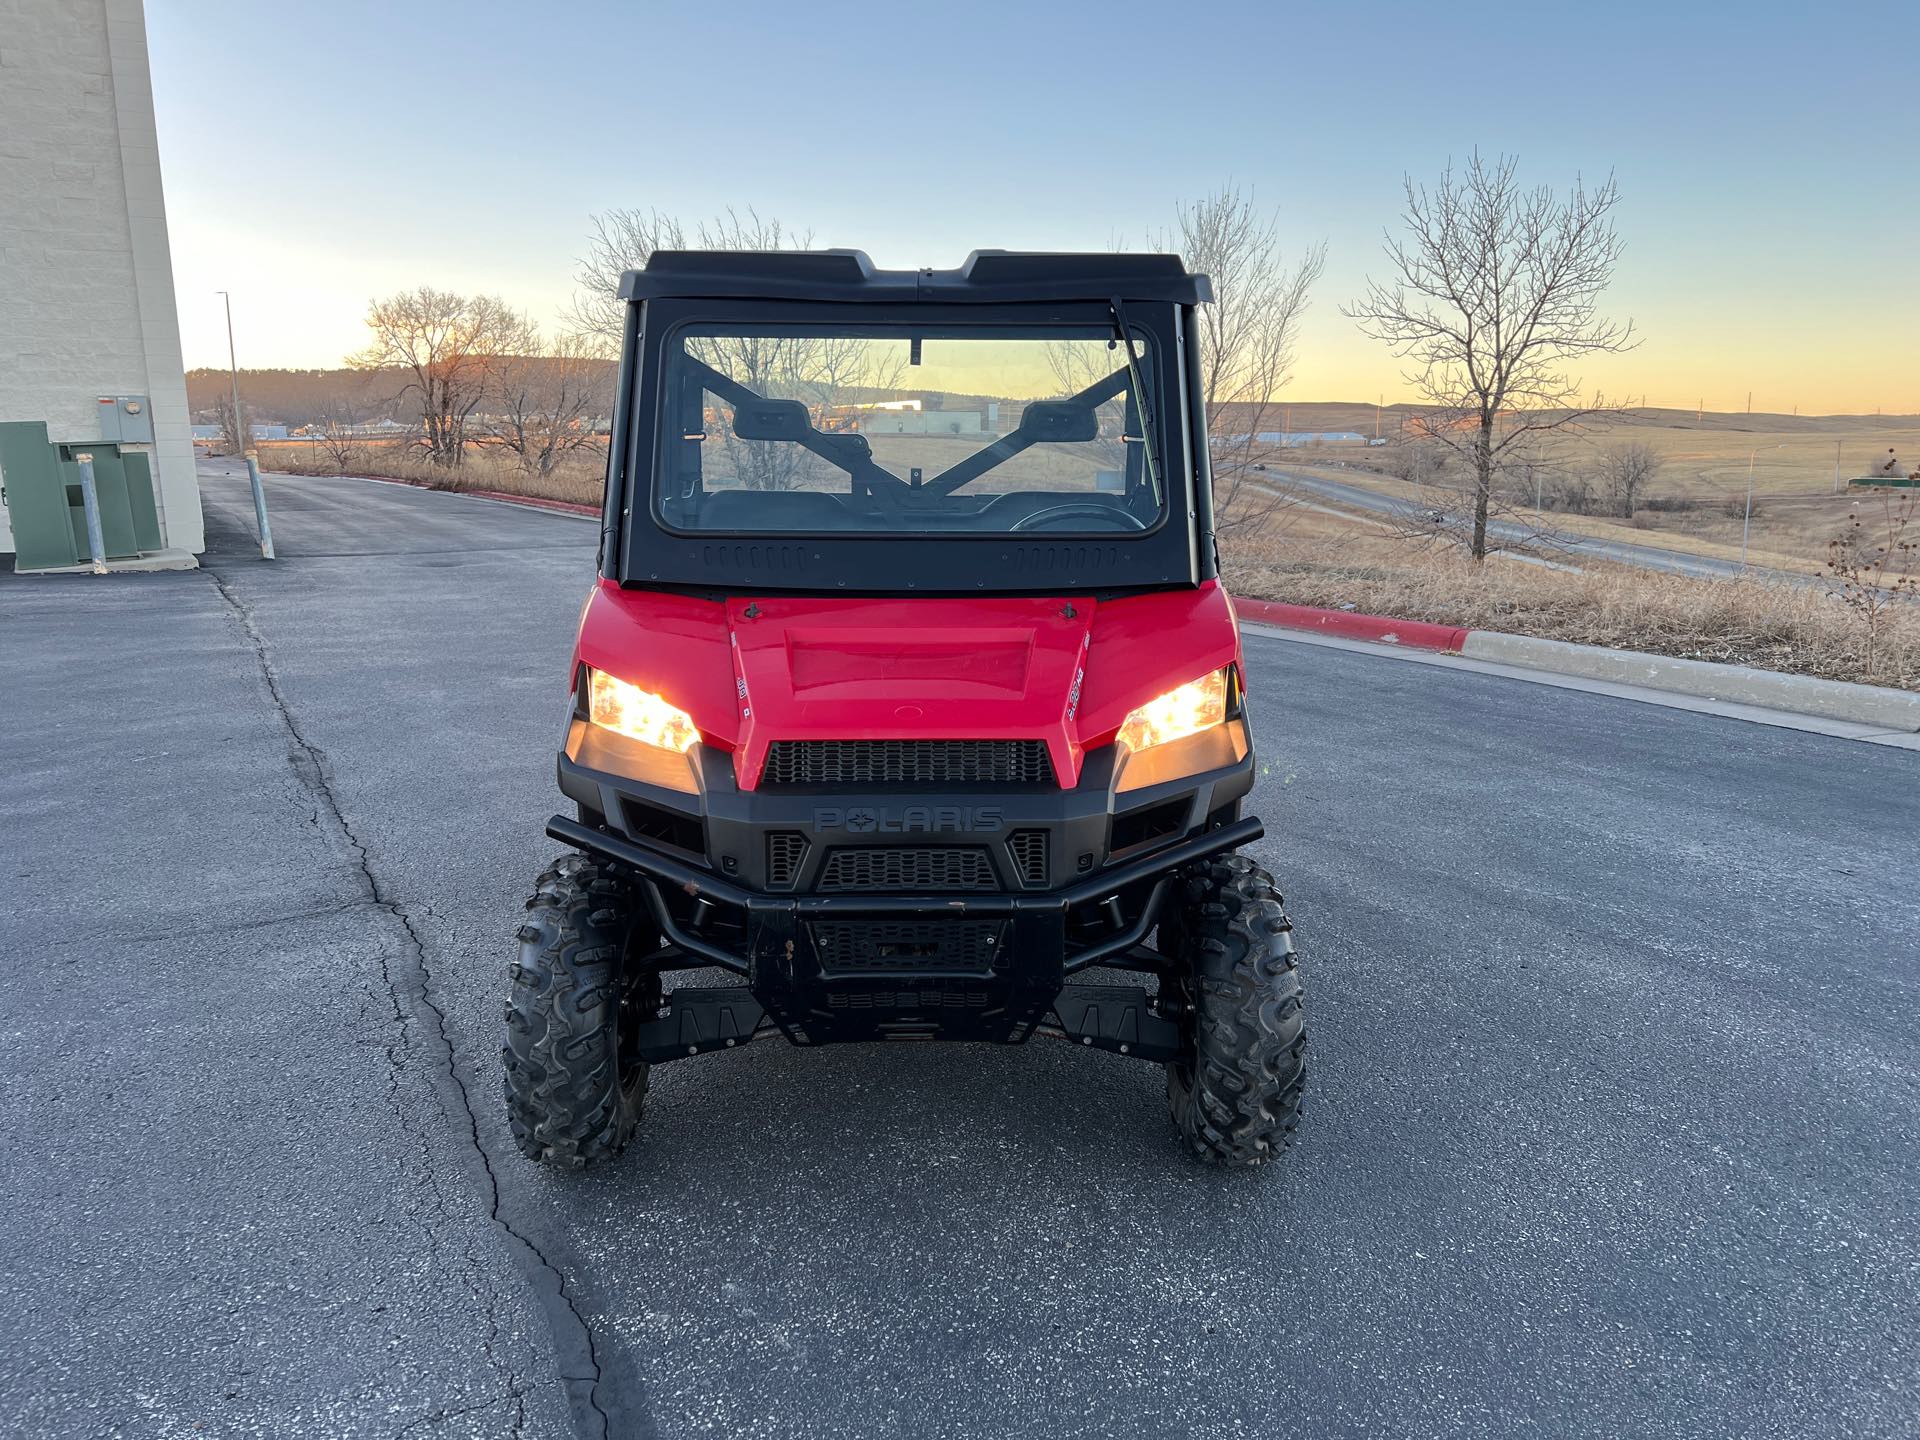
(1147, 428)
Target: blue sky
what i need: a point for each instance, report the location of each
(1769, 155)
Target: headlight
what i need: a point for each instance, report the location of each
(1198, 705)
(638, 714)
(1183, 732)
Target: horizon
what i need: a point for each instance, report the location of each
(1798, 131)
(220, 374)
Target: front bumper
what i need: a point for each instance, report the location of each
(811, 898)
(1001, 990)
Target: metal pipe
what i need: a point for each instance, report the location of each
(90, 498)
(233, 368)
(1132, 936)
(690, 944)
(260, 507)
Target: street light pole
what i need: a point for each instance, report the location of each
(233, 368)
(1746, 526)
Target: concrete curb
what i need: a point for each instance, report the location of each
(1734, 684)
(1870, 705)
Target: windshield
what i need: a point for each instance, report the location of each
(923, 429)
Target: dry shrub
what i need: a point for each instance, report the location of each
(580, 481)
(1802, 629)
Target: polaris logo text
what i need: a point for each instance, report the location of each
(909, 819)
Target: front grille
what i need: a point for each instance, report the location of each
(785, 850)
(862, 946)
(1029, 851)
(907, 867)
(908, 762)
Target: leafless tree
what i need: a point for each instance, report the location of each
(1496, 291)
(813, 369)
(1627, 472)
(1247, 338)
(337, 435)
(545, 405)
(623, 239)
(236, 437)
(1415, 459)
(1873, 561)
(451, 347)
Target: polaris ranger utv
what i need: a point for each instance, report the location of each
(907, 697)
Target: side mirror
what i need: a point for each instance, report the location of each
(771, 420)
(1061, 421)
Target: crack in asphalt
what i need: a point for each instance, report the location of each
(570, 1328)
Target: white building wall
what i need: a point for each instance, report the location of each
(86, 276)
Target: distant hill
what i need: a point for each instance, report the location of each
(307, 397)
(304, 397)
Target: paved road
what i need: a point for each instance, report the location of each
(1646, 557)
(1613, 1126)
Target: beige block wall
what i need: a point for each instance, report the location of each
(86, 275)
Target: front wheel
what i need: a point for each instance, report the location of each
(1234, 1090)
(575, 1087)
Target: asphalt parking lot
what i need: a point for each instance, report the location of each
(1612, 1124)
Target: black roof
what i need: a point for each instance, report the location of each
(987, 277)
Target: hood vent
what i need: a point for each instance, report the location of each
(842, 763)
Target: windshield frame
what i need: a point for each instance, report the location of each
(641, 549)
(948, 326)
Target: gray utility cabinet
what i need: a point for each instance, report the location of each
(41, 484)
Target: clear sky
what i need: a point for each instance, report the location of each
(319, 154)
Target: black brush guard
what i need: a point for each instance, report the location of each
(815, 985)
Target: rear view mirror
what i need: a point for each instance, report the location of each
(1061, 421)
(771, 420)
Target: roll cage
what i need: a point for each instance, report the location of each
(1121, 295)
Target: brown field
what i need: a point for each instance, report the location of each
(1796, 507)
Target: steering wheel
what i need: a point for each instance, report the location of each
(1128, 520)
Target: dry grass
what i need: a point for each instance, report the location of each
(1322, 560)
(579, 480)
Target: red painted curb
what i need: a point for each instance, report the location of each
(1410, 634)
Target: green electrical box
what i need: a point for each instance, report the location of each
(40, 482)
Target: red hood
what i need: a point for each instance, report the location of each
(1061, 669)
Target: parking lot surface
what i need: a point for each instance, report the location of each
(1612, 1122)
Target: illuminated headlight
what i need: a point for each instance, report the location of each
(638, 714)
(1187, 710)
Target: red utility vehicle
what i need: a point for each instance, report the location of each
(908, 696)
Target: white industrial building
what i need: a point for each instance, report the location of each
(89, 336)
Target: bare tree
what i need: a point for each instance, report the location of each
(808, 368)
(1496, 291)
(236, 434)
(545, 405)
(337, 434)
(1247, 338)
(1627, 472)
(1414, 459)
(451, 347)
(623, 239)
(1874, 564)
